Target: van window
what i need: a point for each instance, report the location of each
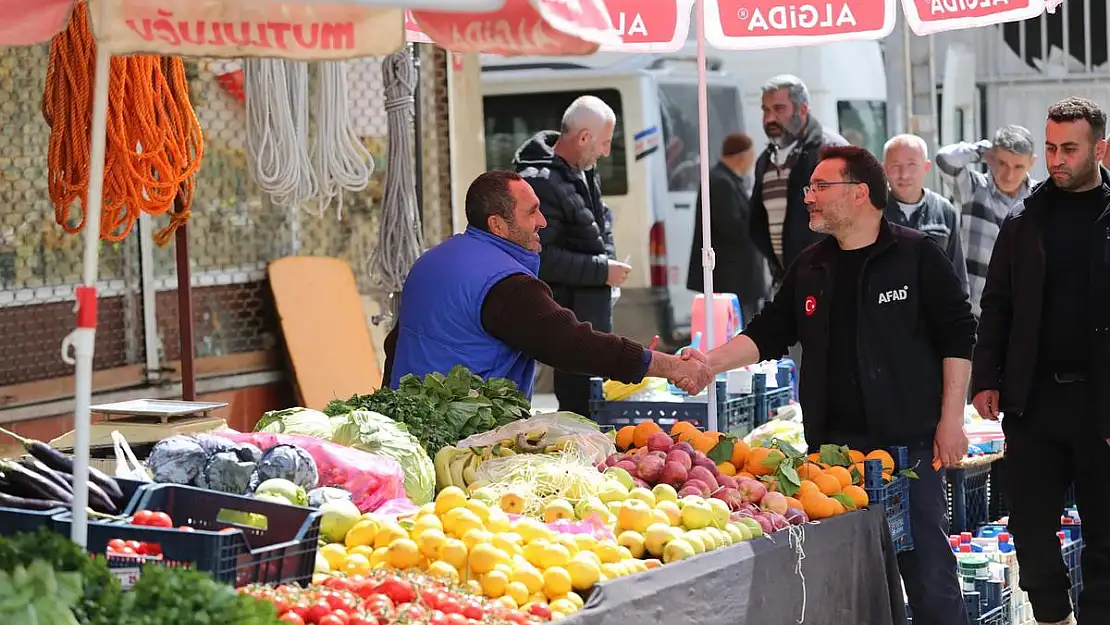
(679, 111)
(513, 119)
(863, 123)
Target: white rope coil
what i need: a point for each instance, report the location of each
(400, 238)
(276, 94)
(797, 539)
(339, 158)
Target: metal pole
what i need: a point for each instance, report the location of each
(708, 260)
(907, 68)
(150, 306)
(185, 308)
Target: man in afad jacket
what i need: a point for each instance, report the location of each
(578, 260)
(1043, 359)
(887, 336)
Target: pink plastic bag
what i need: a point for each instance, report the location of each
(371, 480)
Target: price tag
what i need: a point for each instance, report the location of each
(127, 576)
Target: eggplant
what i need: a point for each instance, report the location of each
(23, 503)
(60, 462)
(36, 465)
(42, 487)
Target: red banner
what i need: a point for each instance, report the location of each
(762, 24)
(933, 16)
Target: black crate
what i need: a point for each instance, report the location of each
(893, 497)
(968, 498)
(735, 413)
(15, 521)
(240, 540)
(769, 400)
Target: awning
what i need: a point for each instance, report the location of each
(934, 16)
(27, 22)
(762, 24)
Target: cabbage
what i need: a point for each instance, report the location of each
(380, 435)
(302, 421)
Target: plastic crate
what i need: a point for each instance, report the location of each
(1072, 552)
(15, 521)
(997, 505)
(735, 413)
(240, 540)
(893, 497)
(788, 376)
(968, 498)
(768, 400)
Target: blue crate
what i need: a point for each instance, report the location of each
(735, 413)
(768, 400)
(968, 498)
(893, 497)
(788, 376)
(1072, 552)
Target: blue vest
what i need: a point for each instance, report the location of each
(440, 321)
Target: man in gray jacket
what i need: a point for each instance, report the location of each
(985, 200)
(906, 162)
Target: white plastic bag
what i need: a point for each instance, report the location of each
(587, 438)
(127, 465)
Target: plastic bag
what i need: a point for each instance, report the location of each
(588, 440)
(372, 480)
(127, 465)
(786, 431)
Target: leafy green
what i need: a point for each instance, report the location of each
(378, 434)
(441, 410)
(186, 597)
(37, 595)
(302, 421)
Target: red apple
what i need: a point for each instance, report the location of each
(681, 457)
(674, 473)
(659, 441)
(774, 502)
(704, 475)
(751, 490)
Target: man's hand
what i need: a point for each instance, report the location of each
(689, 353)
(950, 444)
(618, 273)
(692, 372)
(986, 404)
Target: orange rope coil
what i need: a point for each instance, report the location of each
(154, 141)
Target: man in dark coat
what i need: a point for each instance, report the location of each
(739, 268)
(578, 260)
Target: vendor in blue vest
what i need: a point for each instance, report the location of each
(475, 300)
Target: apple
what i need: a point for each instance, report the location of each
(726, 481)
(681, 457)
(688, 491)
(751, 490)
(674, 474)
(703, 474)
(613, 459)
(664, 492)
(660, 441)
(774, 502)
(765, 523)
(795, 516)
(686, 447)
(731, 497)
(629, 467)
(703, 488)
(650, 469)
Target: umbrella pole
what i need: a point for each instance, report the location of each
(708, 261)
(185, 308)
(83, 338)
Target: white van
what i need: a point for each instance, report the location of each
(652, 177)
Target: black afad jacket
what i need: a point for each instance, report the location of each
(913, 314)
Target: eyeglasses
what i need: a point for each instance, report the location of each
(823, 186)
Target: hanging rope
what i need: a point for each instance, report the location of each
(154, 141)
(400, 241)
(276, 93)
(340, 160)
(797, 541)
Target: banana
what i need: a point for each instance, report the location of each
(442, 464)
(457, 464)
(470, 469)
(504, 452)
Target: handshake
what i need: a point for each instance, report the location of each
(689, 371)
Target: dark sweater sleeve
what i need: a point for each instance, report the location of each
(520, 311)
(947, 309)
(775, 329)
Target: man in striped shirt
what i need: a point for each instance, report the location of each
(780, 220)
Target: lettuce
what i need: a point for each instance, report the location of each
(302, 421)
(378, 434)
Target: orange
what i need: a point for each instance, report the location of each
(857, 495)
(758, 460)
(740, 452)
(714, 435)
(857, 472)
(855, 455)
(807, 488)
(727, 468)
(682, 426)
(814, 457)
(688, 436)
(624, 437)
(704, 443)
(808, 470)
(791, 502)
(837, 507)
(828, 484)
(644, 429)
(887, 460)
(818, 506)
(841, 474)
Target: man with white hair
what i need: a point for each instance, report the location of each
(578, 258)
(985, 200)
(906, 162)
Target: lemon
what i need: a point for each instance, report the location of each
(563, 606)
(530, 577)
(402, 554)
(533, 551)
(428, 508)
(480, 510)
(483, 557)
(531, 529)
(477, 537)
(556, 582)
(453, 551)
(508, 543)
(575, 599)
(430, 541)
(585, 542)
(518, 592)
(426, 522)
(508, 602)
(388, 532)
(625, 552)
(443, 570)
(459, 521)
(568, 541)
(494, 583)
(334, 555)
(356, 565)
(554, 555)
(590, 555)
(363, 533)
(365, 550)
(377, 559)
(450, 498)
(498, 522)
(607, 550)
(504, 568)
(584, 572)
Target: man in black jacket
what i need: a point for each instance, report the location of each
(739, 268)
(578, 260)
(780, 223)
(887, 334)
(1043, 358)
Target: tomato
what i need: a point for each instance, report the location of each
(292, 618)
(340, 602)
(134, 546)
(398, 590)
(449, 605)
(300, 608)
(362, 620)
(152, 549)
(331, 619)
(412, 612)
(116, 544)
(379, 606)
(457, 619)
(342, 615)
(338, 583)
(126, 551)
(474, 610)
(437, 618)
(160, 519)
(185, 528)
(317, 611)
(142, 517)
(281, 604)
(541, 611)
